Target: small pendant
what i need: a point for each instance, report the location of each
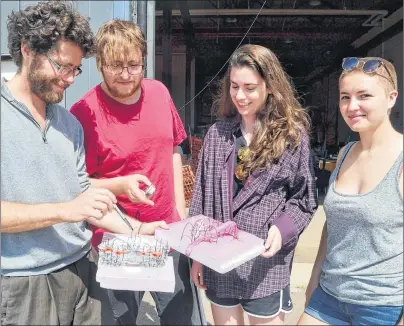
(243, 153)
(239, 172)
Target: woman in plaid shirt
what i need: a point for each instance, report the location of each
(255, 169)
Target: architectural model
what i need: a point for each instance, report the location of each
(219, 246)
(137, 263)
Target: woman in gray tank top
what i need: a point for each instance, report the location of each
(358, 274)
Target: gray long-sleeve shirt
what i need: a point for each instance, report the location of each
(41, 167)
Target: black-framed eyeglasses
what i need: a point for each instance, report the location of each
(64, 71)
(369, 66)
(118, 69)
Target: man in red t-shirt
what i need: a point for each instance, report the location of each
(131, 127)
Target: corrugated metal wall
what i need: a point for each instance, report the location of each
(99, 12)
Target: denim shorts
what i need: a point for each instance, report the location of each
(330, 310)
(265, 307)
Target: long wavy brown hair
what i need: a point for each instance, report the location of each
(282, 120)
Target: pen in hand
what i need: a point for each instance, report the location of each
(123, 216)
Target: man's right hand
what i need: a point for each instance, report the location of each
(131, 188)
(93, 203)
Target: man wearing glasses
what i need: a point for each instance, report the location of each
(132, 126)
(47, 266)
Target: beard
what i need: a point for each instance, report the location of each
(120, 93)
(41, 84)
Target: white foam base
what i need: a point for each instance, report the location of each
(135, 278)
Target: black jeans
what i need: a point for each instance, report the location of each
(182, 307)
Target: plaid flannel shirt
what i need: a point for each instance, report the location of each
(283, 195)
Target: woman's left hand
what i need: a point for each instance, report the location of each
(273, 243)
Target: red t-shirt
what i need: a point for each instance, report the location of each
(125, 139)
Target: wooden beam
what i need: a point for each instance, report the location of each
(189, 31)
(190, 43)
(166, 45)
(278, 12)
(392, 26)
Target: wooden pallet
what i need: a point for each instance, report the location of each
(189, 181)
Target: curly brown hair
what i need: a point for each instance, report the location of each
(280, 123)
(42, 25)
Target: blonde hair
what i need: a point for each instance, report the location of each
(386, 71)
(116, 39)
(280, 122)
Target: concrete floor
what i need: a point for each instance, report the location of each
(148, 314)
(305, 255)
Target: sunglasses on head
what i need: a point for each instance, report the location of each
(369, 66)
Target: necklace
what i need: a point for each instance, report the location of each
(247, 136)
(242, 154)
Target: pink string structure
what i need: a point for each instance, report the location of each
(207, 230)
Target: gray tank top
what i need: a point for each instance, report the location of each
(364, 261)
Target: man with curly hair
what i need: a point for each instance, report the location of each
(47, 266)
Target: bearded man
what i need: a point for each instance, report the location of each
(47, 266)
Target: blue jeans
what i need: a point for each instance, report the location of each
(179, 308)
(330, 310)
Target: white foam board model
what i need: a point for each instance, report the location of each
(222, 251)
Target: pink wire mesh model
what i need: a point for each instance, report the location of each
(207, 230)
